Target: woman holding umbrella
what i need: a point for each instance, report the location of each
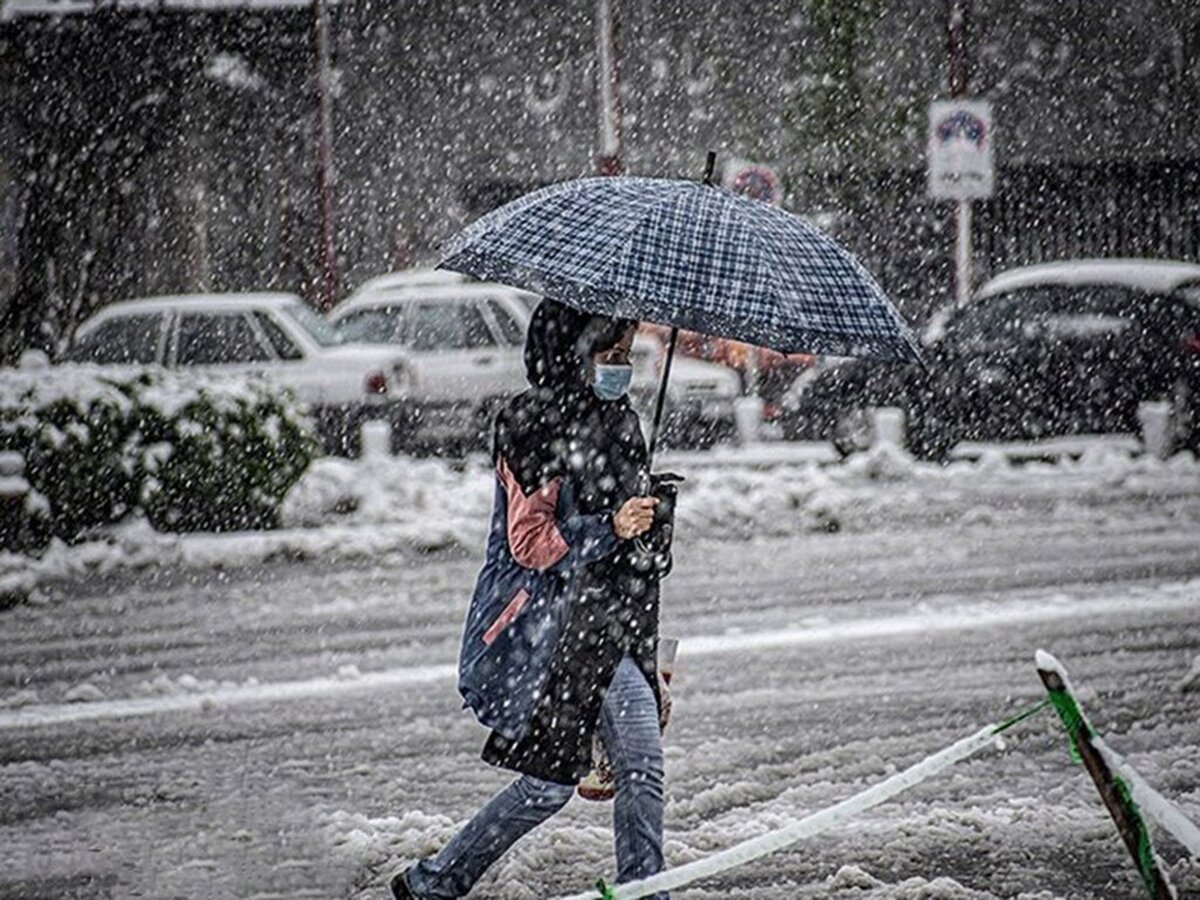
(560, 642)
(567, 603)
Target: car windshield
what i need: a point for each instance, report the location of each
(1049, 311)
(320, 330)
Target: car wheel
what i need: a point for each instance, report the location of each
(701, 434)
(1185, 429)
(338, 432)
(403, 434)
(930, 436)
(791, 425)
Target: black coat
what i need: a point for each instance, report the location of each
(560, 430)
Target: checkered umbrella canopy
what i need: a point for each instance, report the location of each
(689, 255)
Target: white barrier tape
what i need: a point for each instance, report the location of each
(802, 828)
(1158, 808)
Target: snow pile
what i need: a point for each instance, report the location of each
(1191, 681)
(378, 845)
(714, 501)
(164, 391)
(163, 685)
(33, 386)
(18, 577)
(24, 697)
(84, 693)
(136, 545)
(885, 462)
(383, 505)
(393, 489)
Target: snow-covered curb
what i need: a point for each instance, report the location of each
(369, 508)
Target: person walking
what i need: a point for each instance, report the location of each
(560, 640)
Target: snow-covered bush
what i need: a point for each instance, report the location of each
(193, 453)
(76, 433)
(222, 459)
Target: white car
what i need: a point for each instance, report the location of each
(698, 409)
(463, 341)
(275, 335)
(465, 344)
(410, 278)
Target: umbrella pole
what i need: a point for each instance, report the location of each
(662, 395)
(709, 164)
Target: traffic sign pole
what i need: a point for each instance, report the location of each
(962, 255)
(956, 36)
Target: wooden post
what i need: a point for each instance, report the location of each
(1113, 790)
(327, 286)
(608, 161)
(961, 213)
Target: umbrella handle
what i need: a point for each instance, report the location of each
(662, 395)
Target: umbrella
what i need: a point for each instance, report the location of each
(686, 255)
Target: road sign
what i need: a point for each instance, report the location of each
(960, 149)
(754, 180)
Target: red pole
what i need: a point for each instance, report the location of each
(958, 49)
(327, 288)
(608, 161)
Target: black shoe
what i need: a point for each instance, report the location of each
(399, 886)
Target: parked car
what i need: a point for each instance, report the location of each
(465, 343)
(273, 334)
(1046, 350)
(698, 409)
(773, 372)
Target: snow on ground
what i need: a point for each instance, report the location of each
(179, 717)
(739, 492)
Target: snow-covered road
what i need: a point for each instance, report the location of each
(290, 729)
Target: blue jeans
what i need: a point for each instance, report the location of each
(629, 728)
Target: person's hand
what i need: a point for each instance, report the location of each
(635, 517)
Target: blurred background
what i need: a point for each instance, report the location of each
(325, 150)
(160, 147)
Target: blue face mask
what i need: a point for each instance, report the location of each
(612, 382)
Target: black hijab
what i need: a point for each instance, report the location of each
(559, 345)
(536, 432)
